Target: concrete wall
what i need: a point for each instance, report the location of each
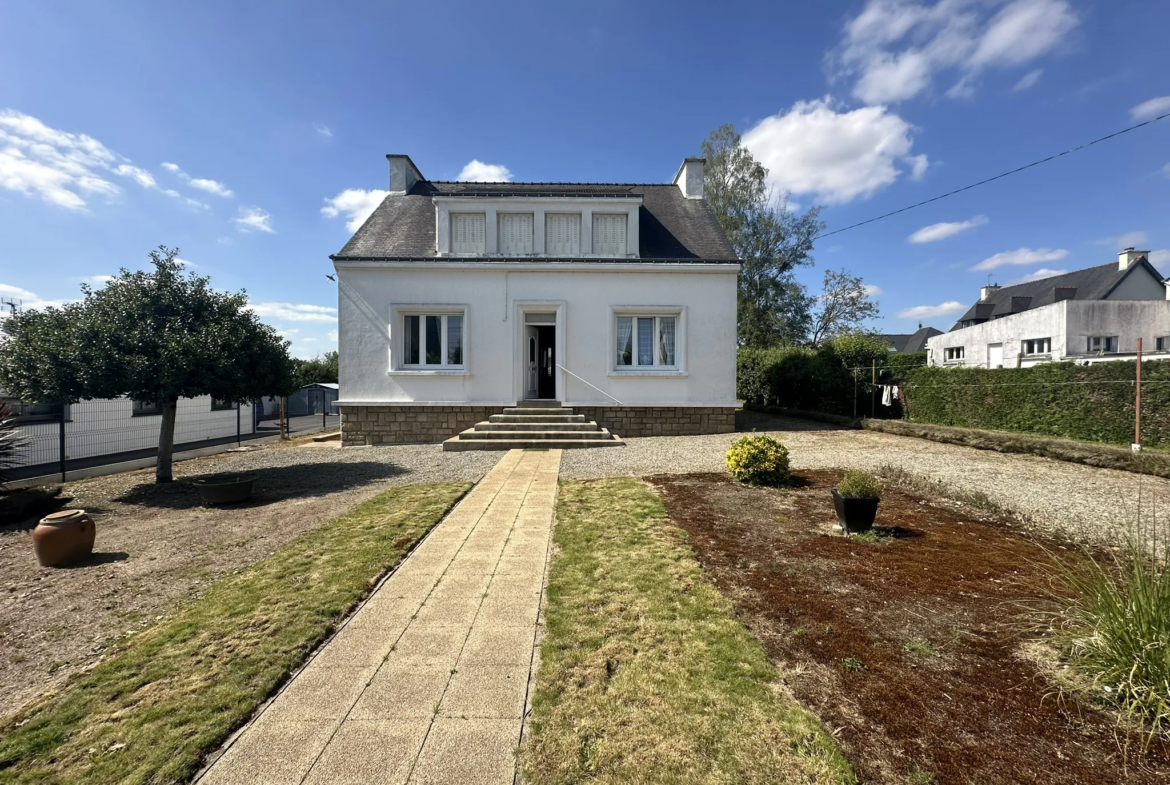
(1068, 324)
(583, 297)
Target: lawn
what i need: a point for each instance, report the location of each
(913, 643)
(167, 696)
(646, 675)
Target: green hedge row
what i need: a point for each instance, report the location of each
(1089, 403)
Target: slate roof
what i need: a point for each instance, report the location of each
(1093, 283)
(910, 343)
(671, 227)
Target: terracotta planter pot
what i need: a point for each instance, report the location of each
(225, 490)
(855, 514)
(63, 538)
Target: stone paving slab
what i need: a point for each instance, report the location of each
(429, 681)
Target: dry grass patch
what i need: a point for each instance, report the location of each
(171, 694)
(646, 676)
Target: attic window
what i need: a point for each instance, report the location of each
(609, 235)
(468, 233)
(515, 236)
(562, 234)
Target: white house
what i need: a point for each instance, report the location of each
(457, 300)
(1091, 315)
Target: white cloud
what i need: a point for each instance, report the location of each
(182, 262)
(837, 156)
(872, 290)
(98, 280)
(203, 184)
(323, 130)
(896, 48)
(1043, 272)
(356, 204)
(254, 219)
(1166, 170)
(1151, 108)
(941, 231)
(332, 335)
(61, 168)
(931, 311)
(1021, 256)
(295, 312)
(1126, 240)
(1160, 259)
(1028, 80)
(193, 203)
(479, 172)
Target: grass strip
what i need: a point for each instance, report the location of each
(646, 675)
(173, 693)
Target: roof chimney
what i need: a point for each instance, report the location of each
(985, 291)
(690, 177)
(1128, 257)
(403, 173)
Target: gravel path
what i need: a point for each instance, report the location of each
(1066, 498)
(157, 546)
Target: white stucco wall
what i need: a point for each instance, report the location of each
(494, 297)
(1069, 324)
(1139, 285)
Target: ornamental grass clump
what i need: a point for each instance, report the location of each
(759, 460)
(857, 484)
(1113, 626)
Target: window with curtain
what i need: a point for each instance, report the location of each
(646, 342)
(432, 340)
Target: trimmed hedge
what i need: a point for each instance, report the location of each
(1089, 403)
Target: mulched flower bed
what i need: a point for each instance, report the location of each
(912, 650)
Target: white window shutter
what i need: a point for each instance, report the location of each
(468, 233)
(515, 236)
(609, 235)
(562, 234)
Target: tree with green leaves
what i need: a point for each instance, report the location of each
(842, 307)
(156, 336)
(319, 370)
(770, 240)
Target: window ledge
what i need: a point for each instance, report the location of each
(667, 372)
(430, 372)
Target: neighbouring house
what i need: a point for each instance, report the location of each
(909, 343)
(1091, 315)
(101, 432)
(459, 299)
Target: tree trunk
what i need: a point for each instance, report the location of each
(166, 441)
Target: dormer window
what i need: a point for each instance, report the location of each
(609, 234)
(468, 233)
(562, 234)
(515, 234)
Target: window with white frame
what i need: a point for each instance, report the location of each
(954, 354)
(562, 234)
(515, 234)
(609, 234)
(1038, 346)
(1162, 343)
(432, 340)
(1102, 344)
(468, 233)
(647, 342)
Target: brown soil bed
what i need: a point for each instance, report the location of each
(845, 621)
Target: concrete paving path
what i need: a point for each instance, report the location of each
(429, 681)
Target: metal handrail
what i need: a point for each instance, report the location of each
(595, 387)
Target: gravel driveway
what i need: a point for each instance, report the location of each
(1079, 501)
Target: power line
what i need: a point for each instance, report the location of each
(997, 177)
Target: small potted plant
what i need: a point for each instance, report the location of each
(856, 500)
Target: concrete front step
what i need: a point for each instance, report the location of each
(509, 427)
(475, 433)
(535, 418)
(455, 444)
(541, 411)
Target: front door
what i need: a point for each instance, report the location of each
(546, 385)
(531, 362)
(995, 355)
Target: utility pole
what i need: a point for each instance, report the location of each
(1137, 420)
(873, 393)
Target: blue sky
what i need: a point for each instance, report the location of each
(251, 134)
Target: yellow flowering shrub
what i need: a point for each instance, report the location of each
(759, 460)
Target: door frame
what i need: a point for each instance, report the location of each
(520, 344)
